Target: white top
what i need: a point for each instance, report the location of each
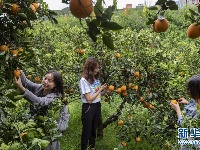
(86, 87)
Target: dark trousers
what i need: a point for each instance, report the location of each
(91, 114)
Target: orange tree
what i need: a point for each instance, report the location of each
(153, 66)
(18, 130)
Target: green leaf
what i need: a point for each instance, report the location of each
(160, 2)
(109, 12)
(153, 8)
(18, 97)
(115, 3)
(173, 7)
(12, 94)
(10, 105)
(170, 3)
(52, 12)
(199, 8)
(93, 31)
(54, 20)
(111, 26)
(193, 13)
(98, 8)
(107, 40)
(22, 16)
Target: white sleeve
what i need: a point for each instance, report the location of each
(84, 87)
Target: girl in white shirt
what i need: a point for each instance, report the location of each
(91, 91)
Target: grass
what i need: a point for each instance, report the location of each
(71, 137)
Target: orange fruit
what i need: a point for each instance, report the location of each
(174, 101)
(119, 90)
(161, 25)
(118, 55)
(137, 139)
(4, 48)
(123, 88)
(151, 106)
(33, 8)
(153, 26)
(135, 87)
(145, 104)
(123, 144)
(20, 49)
(111, 88)
(124, 93)
(15, 8)
(14, 53)
(120, 122)
(17, 73)
(35, 5)
(22, 134)
(82, 51)
(137, 74)
(81, 8)
(141, 99)
(37, 79)
(193, 31)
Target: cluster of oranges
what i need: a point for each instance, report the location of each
(17, 74)
(15, 8)
(161, 25)
(145, 103)
(14, 52)
(137, 139)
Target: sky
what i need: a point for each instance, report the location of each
(58, 5)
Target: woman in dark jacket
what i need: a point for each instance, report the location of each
(42, 95)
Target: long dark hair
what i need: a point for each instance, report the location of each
(193, 87)
(88, 69)
(57, 78)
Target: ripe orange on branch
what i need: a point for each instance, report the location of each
(123, 144)
(135, 87)
(161, 25)
(35, 5)
(4, 48)
(119, 90)
(124, 93)
(37, 79)
(14, 53)
(123, 87)
(137, 139)
(81, 8)
(118, 55)
(17, 73)
(111, 88)
(137, 74)
(33, 8)
(15, 8)
(120, 122)
(193, 31)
